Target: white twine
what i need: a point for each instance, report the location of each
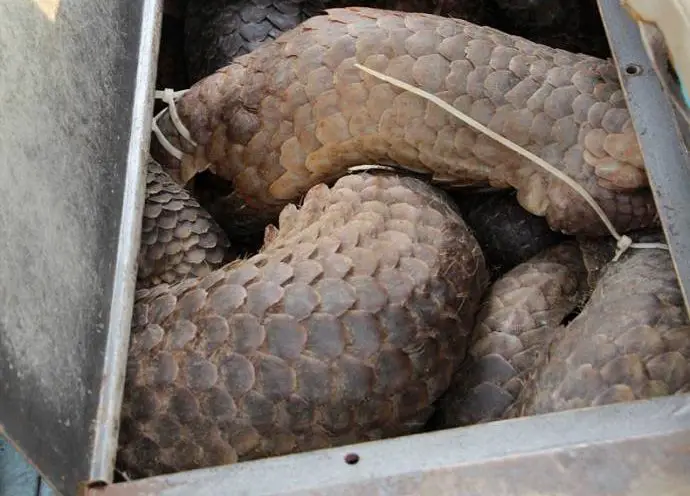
(170, 97)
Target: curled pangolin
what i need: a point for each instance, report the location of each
(346, 326)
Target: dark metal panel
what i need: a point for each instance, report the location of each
(76, 85)
(633, 449)
(665, 153)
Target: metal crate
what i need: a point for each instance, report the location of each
(79, 121)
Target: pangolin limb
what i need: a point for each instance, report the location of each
(217, 31)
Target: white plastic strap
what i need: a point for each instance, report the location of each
(169, 147)
(170, 97)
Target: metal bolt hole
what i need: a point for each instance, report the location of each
(633, 70)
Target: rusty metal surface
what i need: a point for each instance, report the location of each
(76, 92)
(660, 137)
(628, 449)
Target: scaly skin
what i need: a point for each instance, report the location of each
(350, 323)
(476, 11)
(217, 31)
(518, 315)
(178, 238)
(630, 342)
(506, 232)
(347, 326)
(295, 112)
